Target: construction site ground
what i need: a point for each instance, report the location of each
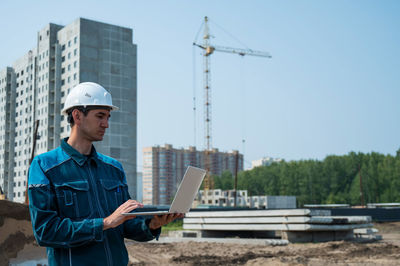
(18, 247)
(384, 252)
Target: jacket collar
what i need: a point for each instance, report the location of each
(78, 157)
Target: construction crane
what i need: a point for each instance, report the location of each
(208, 50)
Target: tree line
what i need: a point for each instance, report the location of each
(355, 179)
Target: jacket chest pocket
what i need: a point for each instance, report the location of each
(113, 192)
(73, 199)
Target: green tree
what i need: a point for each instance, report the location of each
(336, 179)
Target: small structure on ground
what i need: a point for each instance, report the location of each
(226, 198)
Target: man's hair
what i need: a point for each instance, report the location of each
(70, 118)
(85, 110)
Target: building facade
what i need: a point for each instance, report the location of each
(265, 161)
(164, 167)
(34, 89)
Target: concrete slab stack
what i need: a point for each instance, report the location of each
(367, 234)
(295, 225)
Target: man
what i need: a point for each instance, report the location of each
(77, 196)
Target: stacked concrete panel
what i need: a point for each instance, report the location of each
(295, 225)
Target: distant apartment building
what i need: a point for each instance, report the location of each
(34, 88)
(265, 161)
(164, 167)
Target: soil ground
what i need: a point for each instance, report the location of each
(384, 252)
(17, 247)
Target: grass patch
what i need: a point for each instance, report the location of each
(173, 226)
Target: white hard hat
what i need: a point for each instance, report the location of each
(88, 94)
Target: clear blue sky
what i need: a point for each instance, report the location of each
(332, 86)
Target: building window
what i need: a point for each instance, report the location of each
(75, 39)
(63, 47)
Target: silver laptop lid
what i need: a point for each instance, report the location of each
(187, 190)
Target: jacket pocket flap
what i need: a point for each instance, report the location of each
(77, 185)
(110, 184)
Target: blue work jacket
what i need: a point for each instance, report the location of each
(69, 195)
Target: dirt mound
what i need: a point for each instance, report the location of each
(14, 210)
(15, 231)
(329, 253)
(216, 260)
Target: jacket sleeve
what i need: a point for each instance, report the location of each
(137, 229)
(49, 229)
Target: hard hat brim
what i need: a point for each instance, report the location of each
(111, 107)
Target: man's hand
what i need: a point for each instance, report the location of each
(158, 221)
(116, 218)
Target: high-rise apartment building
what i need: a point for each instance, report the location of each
(164, 167)
(34, 88)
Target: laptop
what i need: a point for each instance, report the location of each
(184, 196)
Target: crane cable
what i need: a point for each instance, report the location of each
(229, 34)
(198, 32)
(243, 104)
(194, 85)
(242, 87)
(194, 94)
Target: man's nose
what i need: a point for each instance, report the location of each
(105, 123)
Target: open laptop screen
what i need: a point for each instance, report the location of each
(185, 195)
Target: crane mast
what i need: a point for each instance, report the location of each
(208, 184)
(208, 50)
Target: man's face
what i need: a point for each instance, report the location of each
(93, 126)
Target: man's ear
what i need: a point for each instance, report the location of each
(77, 115)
